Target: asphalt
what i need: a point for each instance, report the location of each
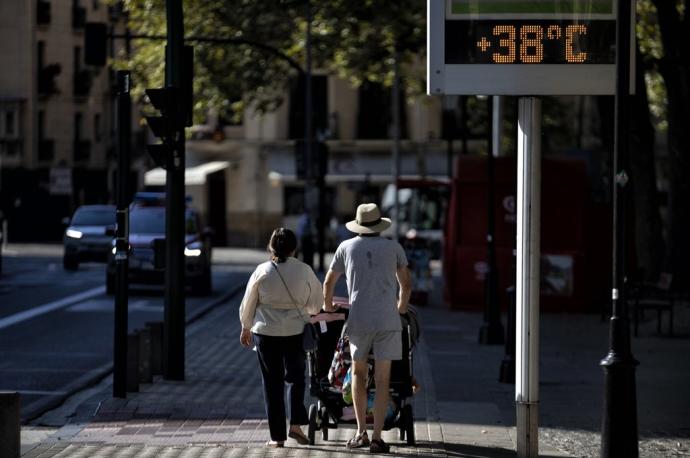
(462, 410)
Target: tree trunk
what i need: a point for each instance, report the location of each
(675, 69)
(649, 243)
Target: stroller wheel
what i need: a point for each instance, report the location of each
(408, 424)
(401, 423)
(311, 432)
(324, 423)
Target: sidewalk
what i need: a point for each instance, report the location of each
(461, 411)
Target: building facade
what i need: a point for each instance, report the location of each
(56, 113)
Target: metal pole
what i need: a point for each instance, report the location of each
(174, 327)
(619, 422)
(309, 198)
(491, 332)
(528, 258)
(124, 123)
(396, 144)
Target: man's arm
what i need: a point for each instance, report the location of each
(405, 282)
(328, 289)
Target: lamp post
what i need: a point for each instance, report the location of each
(619, 422)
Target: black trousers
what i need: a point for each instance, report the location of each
(282, 361)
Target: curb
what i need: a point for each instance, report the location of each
(40, 407)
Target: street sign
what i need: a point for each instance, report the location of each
(60, 181)
(513, 47)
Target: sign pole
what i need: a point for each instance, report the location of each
(528, 258)
(174, 312)
(124, 122)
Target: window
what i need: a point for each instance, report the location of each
(78, 127)
(41, 55)
(77, 59)
(97, 133)
(41, 125)
(375, 120)
(10, 124)
(319, 91)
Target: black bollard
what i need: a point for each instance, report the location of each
(507, 374)
(132, 363)
(145, 375)
(10, 424)
(156, 328)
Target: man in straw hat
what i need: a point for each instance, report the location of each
(374, 267)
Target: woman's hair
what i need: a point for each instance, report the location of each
(283, 242)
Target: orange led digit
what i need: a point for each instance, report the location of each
(531, 45)
(553, 32)
(508, 43)
(570, 55)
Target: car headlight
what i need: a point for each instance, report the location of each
(73, 234)
(193, 249)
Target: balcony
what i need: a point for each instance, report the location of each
(46, 150)
(43, 12)
(78, 17)
(46, 79)
(82, 150)
(82, 83)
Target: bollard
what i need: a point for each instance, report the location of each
(507, 374)
(10, 424)
(156, 328)
(145, 355)
(132, 363)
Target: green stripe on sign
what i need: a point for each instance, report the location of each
(571, 7)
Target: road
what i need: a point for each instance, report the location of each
(56, 327)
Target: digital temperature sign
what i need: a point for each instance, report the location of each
(512, 47)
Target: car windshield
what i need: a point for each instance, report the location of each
(93, 217)
(151, 220)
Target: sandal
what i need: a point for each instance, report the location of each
(299, 437)
(379, 446)
(359, 440)
(274, 444)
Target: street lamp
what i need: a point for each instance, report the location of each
(619, 423)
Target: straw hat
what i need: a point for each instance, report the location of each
(368, 220)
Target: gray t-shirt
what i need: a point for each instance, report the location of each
(370, 265)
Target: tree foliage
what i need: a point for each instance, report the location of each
(355, 39)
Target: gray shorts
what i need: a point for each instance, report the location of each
(387, 345)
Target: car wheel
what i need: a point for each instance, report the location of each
(110, 284)
(70, 263)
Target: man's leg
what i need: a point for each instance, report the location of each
(359, 393)
(383, 378)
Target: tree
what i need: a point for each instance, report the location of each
(665, 42)
(356, 39)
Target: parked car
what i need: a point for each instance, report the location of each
(88, 235)
(146, 225)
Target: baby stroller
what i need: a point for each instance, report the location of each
(327, 413)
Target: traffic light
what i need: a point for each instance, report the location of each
(167, 126)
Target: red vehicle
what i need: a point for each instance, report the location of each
(575, 235)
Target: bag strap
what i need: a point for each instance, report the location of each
(294, 302)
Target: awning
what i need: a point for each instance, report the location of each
(195, 175)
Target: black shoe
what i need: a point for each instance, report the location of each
(379, 446)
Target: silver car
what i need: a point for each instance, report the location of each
(88, 235)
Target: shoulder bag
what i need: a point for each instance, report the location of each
(310, 337)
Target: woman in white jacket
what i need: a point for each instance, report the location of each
(280, 297)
